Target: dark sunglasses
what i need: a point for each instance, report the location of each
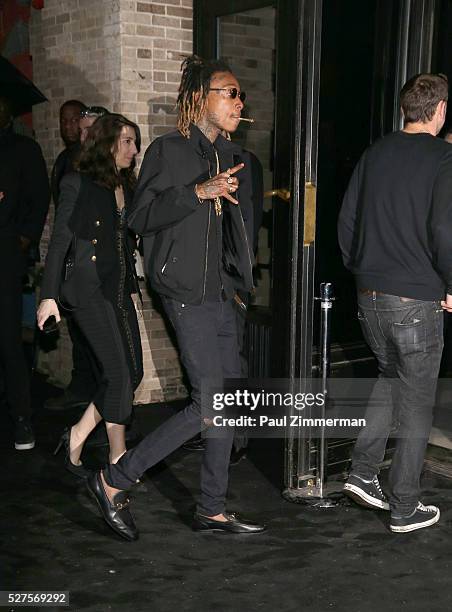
(233, 92)
(94, 111)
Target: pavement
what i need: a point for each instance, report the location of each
(341, 559)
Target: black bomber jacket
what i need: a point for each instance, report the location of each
(175, 225)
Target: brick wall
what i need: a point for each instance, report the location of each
(155, 37)
(74, 45)
(125, 55)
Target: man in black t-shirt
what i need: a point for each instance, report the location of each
(395, 231)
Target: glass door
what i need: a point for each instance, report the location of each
(274, 49)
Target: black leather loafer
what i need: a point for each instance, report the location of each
(195, 444)
(234, 524)
(116, 512)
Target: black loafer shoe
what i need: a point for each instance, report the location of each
(234, 524)
(195, 444)
(116, 513)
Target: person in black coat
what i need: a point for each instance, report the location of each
(90, 270)
(84, 372)
(197, 254)
(24, 202)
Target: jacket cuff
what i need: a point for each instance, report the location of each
(194, 200)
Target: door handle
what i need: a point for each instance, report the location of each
(282, 194)
(310, 206)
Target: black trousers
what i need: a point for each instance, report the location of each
(207, 339)
(114, 339)
(85, 373)
(12, 358)
(241, 436)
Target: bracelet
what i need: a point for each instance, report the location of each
(196, 194)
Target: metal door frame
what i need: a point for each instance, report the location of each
(416, 28)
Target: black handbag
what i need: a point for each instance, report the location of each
(67, 271)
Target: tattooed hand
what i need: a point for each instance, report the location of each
(222, 185)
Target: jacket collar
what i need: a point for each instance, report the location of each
(205, 148)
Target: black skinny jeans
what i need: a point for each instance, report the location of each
(207, 339)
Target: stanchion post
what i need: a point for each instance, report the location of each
(326, 305)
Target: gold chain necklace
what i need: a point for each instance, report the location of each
(217, 199)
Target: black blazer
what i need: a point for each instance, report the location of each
(85, 232)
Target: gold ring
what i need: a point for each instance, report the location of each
(230, 180)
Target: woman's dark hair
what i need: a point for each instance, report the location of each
(194, 89)
(96, 157)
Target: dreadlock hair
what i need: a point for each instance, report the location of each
(194, 89)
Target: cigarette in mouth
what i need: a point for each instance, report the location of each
(246, 119)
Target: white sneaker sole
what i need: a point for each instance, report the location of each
(407, 528)
(24, 446)
(362, 498)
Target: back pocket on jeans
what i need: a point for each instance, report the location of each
(410, 334)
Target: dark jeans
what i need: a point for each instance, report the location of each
(406, 337)
(12, 357)
(240, 435)
(207, 339)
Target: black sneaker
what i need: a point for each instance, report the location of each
(367, 493)
(237, 456)
(422, 516)
(24, 438)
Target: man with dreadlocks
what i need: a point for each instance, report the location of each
(197, 255)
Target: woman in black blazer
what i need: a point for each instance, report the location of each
(90, 271)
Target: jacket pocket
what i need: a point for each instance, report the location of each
(167, 257)
(175, 270)
(82, 279)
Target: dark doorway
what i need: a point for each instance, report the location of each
(345, 118)
(258, 38)
(333, 86)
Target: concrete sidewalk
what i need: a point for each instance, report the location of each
(341, 559)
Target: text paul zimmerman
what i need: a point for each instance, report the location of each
(285, 402)
(293, 420)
